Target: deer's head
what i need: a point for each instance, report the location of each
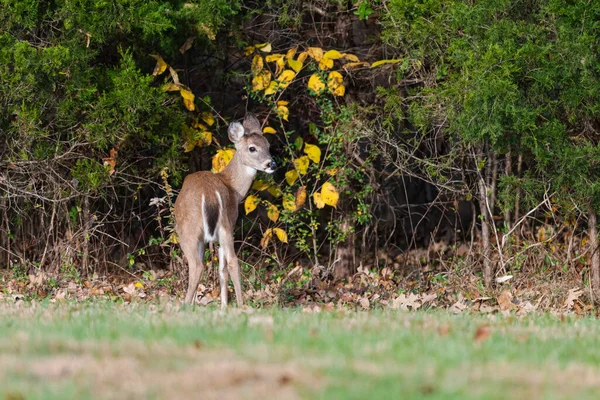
(251, 146)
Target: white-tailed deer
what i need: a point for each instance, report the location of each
(207, 207)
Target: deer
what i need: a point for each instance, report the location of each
(206, 208)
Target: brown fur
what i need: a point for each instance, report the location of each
(232, 184)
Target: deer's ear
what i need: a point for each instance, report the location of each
(252, 124)
(236, 132)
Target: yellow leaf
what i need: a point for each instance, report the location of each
(273, 212)
(248, 50)
(264, 47)
(318, 200)
(171, 87)
(198, 125)
(300, 196)
(280, 66)
(291, 176)
(313, 152)
(189, 146)
(339, 91)
(325, 64)
(285, 78)
(291, 53)
(329, 194)
(303, 56)
(281, 235)
(275, 191)
(316, 83)
(283, 112)
(251, 203)
(355, 65)
(282, 103)
(173, 238)
(266, 238)
(272, 88)
(301, 164)
(381, 62)
(259, 185)
(208, 118)
(351, 57)
(289, 202)
(221, 159)
(268, 129)
(335, 83)
(274, 57)
(139, 285)
(331, 171)
(161, 65)
(315, 52)
(333, 55)
(294, 64)
(204, 138)
(257, 64)
(189, 104)
(188, 99)
(261, 81)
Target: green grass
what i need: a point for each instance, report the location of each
(105, 350)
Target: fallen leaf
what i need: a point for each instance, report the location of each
(504, 278)
(505, 301)
(364, 303)
(483, 332)
(572, 296)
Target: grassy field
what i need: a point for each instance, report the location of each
(106, 350)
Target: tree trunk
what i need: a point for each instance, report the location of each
(593, 232)
(488, 272)
(345, 258)
(508, 172)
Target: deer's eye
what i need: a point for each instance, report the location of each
(252, 149)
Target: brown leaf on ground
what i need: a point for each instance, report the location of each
(572, 297)
(482, 333)
(505, 301)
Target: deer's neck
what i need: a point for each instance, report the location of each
(238, 177)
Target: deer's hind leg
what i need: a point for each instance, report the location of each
(194, 253)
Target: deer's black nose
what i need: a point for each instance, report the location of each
(272, 165)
